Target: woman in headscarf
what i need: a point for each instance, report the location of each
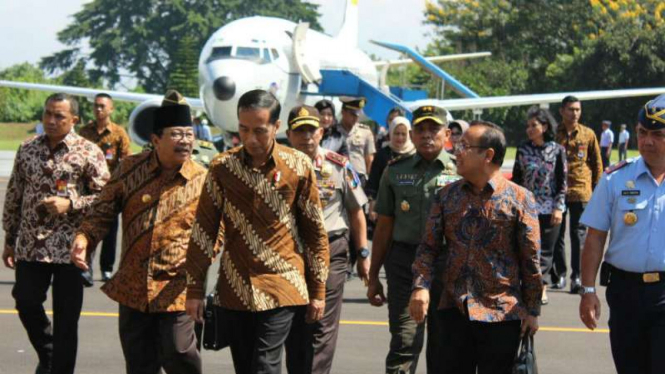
(541, 167)
(399, 145)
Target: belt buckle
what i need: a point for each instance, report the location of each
(651, 277)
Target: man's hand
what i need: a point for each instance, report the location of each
(375, 292)
(557, 217)
(8, 256)
(418, 304)
(590, 310)
(530, 324)
(315, 310)
(79, 252)
(194, 309)
(362, 266)
(56, 205)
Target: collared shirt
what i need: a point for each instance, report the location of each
(542, 170)
(268, 225)
(631, 189)
(74, 169)
(407, 189)
(339, 191)
(492, 245)
(202, 132)
(624, 136)
(585, 166)
(113, 142)
(607, 138)
(157, 215)
(359, 143)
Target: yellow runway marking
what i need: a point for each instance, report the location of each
(343, 322)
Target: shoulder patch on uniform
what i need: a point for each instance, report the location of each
(336, 158)
(611, 169)
(206, 144)
(398, 159)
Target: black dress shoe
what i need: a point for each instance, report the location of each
(560, 285)
(42, 370)
(575, 286)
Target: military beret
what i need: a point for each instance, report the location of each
(430, 112)
(303, 115)
(174, 112)
(652, 115)
(353, 104)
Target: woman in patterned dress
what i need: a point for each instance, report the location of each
(540, 166)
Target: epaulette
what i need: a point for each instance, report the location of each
(399, 158)
(611, 169)
(336, 158)
(206, 144)
(364, 126)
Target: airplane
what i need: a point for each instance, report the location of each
(299, 65)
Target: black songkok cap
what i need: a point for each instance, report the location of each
(174, 112)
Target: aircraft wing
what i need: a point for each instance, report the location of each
(542, 99)
(461, 56)
(90, 93)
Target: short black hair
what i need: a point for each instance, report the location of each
(325, 104)
(398, 110)
(569, 100)
(61, 96)
(103, 95)
(545, 118)
(494, 138)
(260, 99)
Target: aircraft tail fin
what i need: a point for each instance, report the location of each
(348, 34)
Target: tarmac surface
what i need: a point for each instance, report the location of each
(563, 344)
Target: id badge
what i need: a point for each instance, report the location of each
(109, 154)
(61, 188)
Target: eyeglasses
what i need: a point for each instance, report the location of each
(462, 147)
(178, 135)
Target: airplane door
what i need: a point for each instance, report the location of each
(308, 67)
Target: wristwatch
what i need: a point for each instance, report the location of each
(363, 252)
(586, 290)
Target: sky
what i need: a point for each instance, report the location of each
(29, 27)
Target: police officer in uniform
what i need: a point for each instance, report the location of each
(311, 347)
(359, 138)
(406, 192)
(630, 203)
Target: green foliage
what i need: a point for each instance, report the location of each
(143, 36)
(544, 46)
(17, 105)
(184, 75)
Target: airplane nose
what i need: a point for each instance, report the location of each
(224, 88)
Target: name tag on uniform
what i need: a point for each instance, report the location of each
(406, 179)
(630, 193)
(61, 188)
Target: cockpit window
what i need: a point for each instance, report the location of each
(219, 53)
(248, 53)
(266, 55)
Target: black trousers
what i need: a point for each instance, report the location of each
(152, 341)
(468, 346)
(55, 344)
(577, 237)
(256, 338)
(604, 157)
(637, 325)
(548, 236)
(310, 348)
(623, 151)
(107, 256)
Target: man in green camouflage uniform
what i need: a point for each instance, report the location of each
(406, 192)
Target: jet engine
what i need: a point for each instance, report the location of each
(141, 121)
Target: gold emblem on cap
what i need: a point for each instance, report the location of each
(146, 198)
(303, 112)
(405, 206)
(630, 184)
(630, 218)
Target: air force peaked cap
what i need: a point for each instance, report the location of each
(652, 115)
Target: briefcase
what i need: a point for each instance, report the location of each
(525, 360)
(214, 326)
